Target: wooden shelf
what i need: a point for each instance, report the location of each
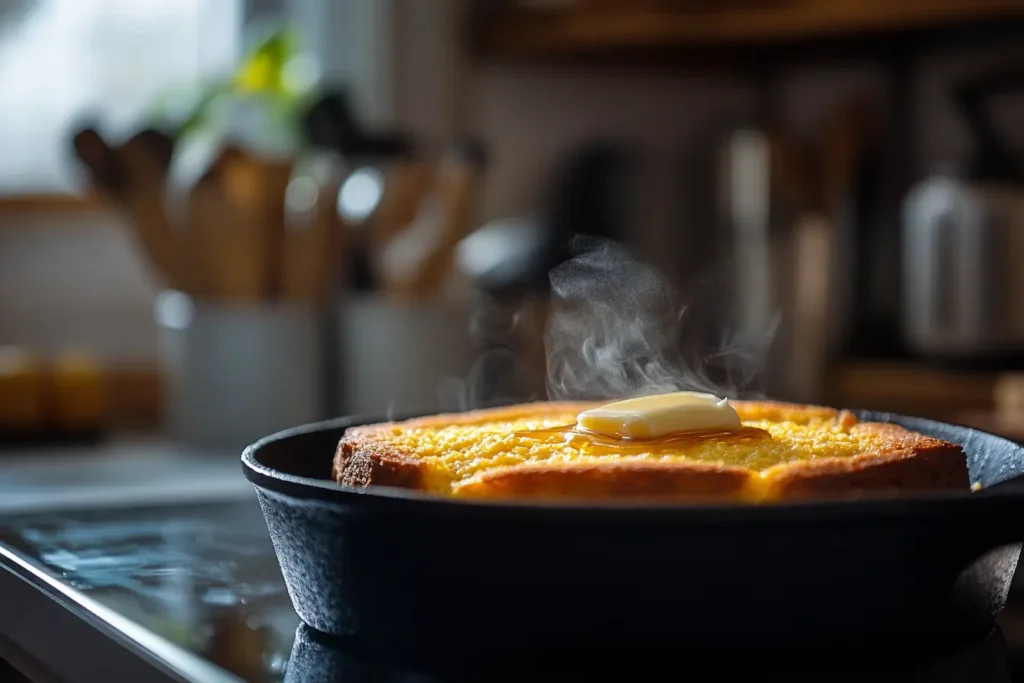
(50, 203)
(911, 389)
(587, 28)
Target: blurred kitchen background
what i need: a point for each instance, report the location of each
(219, 219)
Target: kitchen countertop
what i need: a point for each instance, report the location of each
(124, 470)
(199, 577)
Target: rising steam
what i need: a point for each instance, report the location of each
(500, 374)
(617, 330)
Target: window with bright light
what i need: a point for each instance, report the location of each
(109, 60)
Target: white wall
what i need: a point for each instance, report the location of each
(75, 279)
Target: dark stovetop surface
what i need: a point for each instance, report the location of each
(204, 577)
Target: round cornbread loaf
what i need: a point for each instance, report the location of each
(490, 454)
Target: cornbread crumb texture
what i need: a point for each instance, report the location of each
(486, 454)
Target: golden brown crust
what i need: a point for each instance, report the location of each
(364, 462)
(363, 459)
(646, 480)
(907, 461)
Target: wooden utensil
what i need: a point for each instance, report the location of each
(105, 167)
(239, 217)
(157, 147)
(401, 258)
(406, 183)
(457, 188)
(404, 186)
(272, 179)
(146, 159)
(423, 256)
(208, 234)
(133, 176)
(314, 235)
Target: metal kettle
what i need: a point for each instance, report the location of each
(963, 244)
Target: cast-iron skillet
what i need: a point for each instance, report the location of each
(409, 573)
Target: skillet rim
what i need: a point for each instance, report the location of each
(923, 504)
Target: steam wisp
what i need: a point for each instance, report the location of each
(616, 330)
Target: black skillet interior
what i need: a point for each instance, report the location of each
(414, 574)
